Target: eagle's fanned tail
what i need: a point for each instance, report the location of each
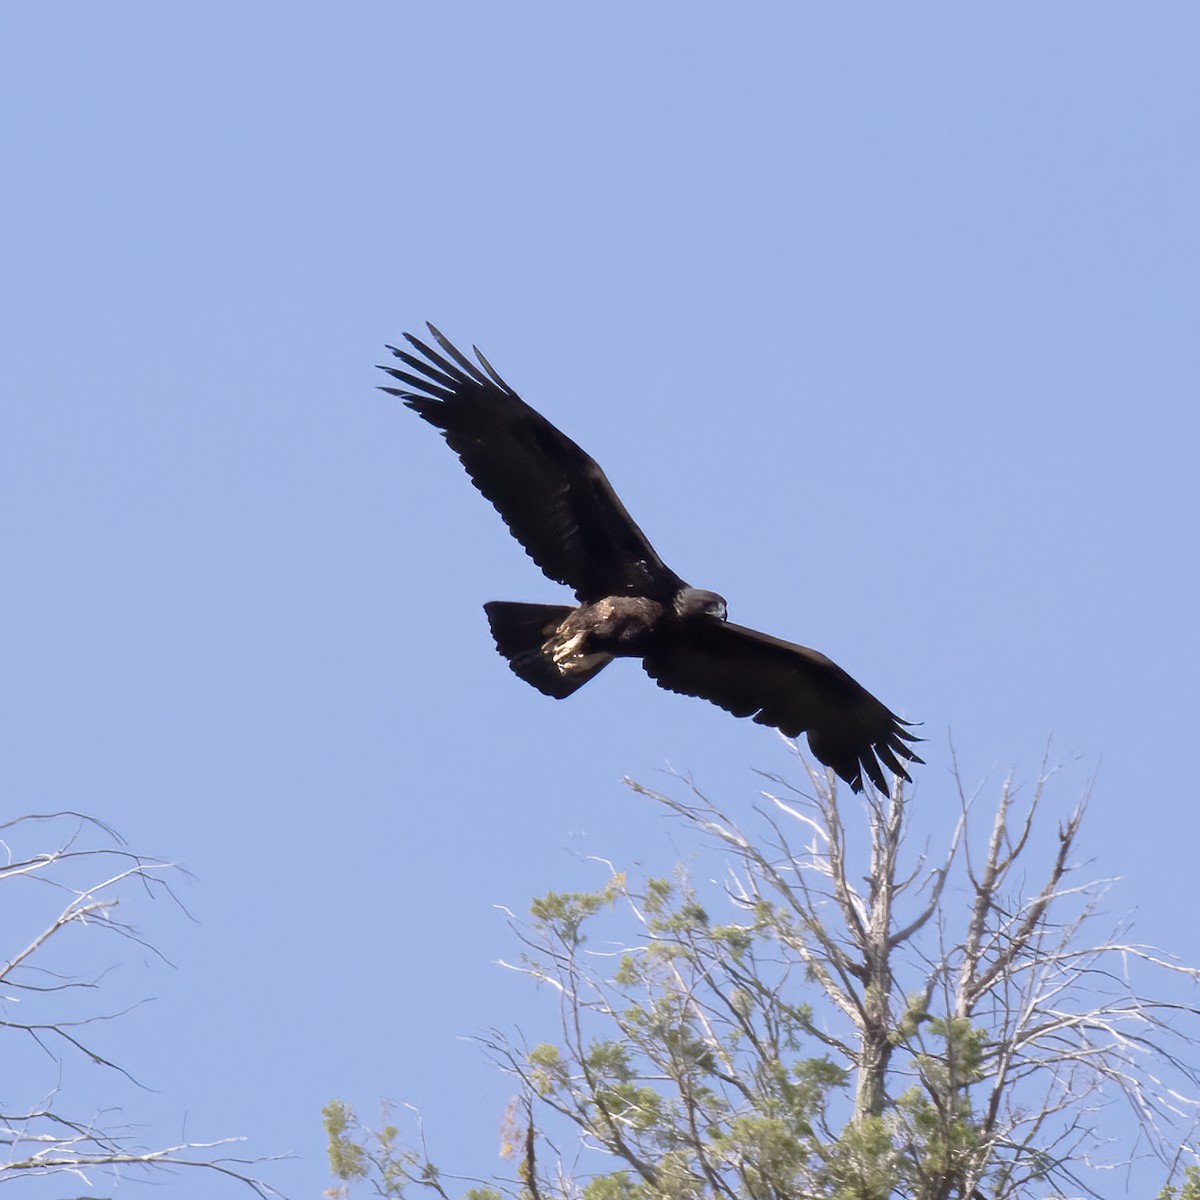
(522, 631)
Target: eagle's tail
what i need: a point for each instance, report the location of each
(524, 634)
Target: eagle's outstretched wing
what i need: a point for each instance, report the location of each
(553, 497)
(791, 687)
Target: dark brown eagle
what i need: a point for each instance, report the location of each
(561, 508)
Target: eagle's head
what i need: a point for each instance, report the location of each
(696, 602)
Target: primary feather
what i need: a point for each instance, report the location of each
(553, 497)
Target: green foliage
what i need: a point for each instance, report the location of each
(563, 913)
(864, 1163)
(700, 1059)
(356, 1152)
(1190, 1189)
(347, 1159)
(711, 1075)
(615, 1186)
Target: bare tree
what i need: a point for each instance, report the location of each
(863, 1024)
(63, 878)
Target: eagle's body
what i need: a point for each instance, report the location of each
(622, 626)
(561, 507)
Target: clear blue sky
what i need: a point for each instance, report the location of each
(881, 318)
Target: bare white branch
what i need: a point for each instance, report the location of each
(79, 884)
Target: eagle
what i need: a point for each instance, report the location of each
(559, 505)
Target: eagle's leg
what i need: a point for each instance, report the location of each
(569, 654)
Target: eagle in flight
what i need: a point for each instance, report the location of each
(560, 506)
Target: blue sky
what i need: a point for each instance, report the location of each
(881, 319)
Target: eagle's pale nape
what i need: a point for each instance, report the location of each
(560, 506)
